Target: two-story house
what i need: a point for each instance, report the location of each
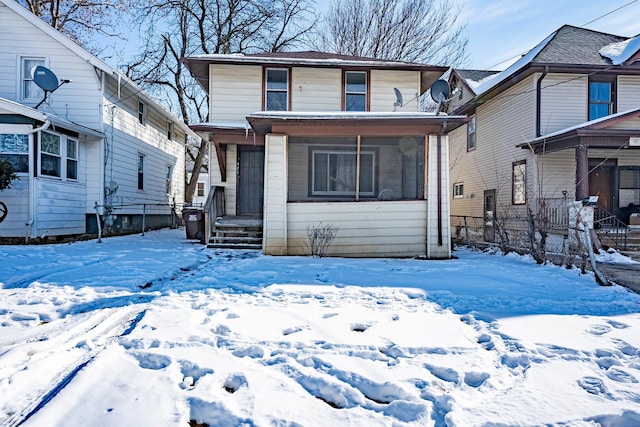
(96, 140)
(562, 123)
(301, 139)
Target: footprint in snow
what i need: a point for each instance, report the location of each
(360, 327)
(599, 329)
(475, 379)
(293, 330)
(593, 385)
(151, 360)
(445, 374)
(234, 382)
(618, 325)
(617, 374)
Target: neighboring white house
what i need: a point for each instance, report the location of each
(560, 124)
(96, 140)
(305, 139)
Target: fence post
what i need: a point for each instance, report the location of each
(98, 223)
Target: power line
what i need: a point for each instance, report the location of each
(580, 26)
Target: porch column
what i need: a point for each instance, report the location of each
(582, 172)
(274, 232)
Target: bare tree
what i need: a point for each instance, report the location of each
(80, 20)
(176, 29)
(425, 31)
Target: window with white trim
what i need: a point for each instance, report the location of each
(169, 130)
(201, 189)
(50, 155)
(276, 89)
(458, 190)
(140, 171)
(471, 134)
(29, 90)
(355, 91)
(334, 173)
(142, 113)
(72, 159)
(519, 185)
(14, 148)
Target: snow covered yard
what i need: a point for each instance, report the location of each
(155, 330)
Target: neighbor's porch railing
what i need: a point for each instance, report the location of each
(213, 208)
(609, 226)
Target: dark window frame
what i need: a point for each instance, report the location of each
(366, 93)
(332, 149)
(612, 103)
(266, 89)
(141, 171)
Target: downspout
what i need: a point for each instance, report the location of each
(539, 99)
(32, 193)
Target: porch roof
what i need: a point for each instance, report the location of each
(594, 133)
(362, 123)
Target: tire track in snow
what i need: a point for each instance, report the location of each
(96, 332)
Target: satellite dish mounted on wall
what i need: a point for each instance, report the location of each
(46, 80)
(440, 91)
(399, 101)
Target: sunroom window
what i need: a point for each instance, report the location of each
(50, 154)
(14, 148)
(334, 173)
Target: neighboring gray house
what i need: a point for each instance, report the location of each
(301, 139)
(98, 139)
(562, 123)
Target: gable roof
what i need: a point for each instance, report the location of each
(569, 49)
(90, 59)
(472, 78)
(199, 64)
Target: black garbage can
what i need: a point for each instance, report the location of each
(193, 223)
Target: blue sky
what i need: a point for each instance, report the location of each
(499, 30)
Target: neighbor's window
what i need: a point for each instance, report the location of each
(471, 134)
(72, 159)
(334, 173)
(355, 91)
(169, 130)
(601, 96)
(276, 89)
(458, 190)
(29, 90)
(142, 112)
(14, 148)
(140, 171)
(50, 154)
(201, 189)
(168, 179)
(519, 187)
(629, 187)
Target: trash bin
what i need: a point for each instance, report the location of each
(193, 223)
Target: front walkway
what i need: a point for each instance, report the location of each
(627, 275)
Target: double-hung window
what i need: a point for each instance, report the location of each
(201, 189)
(471, 134)
(355, 91)
(29, 90)
(519, 183)
(14, 148)
(458, 190)
(142, 113)
(50, 155)
(276, 89)
(72, 159)
(140, 171)
(629, 186)
(169, 170)
(334, 172)
(601, 96)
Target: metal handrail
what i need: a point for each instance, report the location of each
(608, 224)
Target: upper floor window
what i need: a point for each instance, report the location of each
(355, 91)
(169, 171)
(276, 89)
(140, 171)
(169, 130)
(519, 183)
(201, 189)
(601, 96)
(14, 148)
(471, 134)
(29, 90)
(142, 112)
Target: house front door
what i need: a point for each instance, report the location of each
(600, 183)
(490, 215)
(250, 177)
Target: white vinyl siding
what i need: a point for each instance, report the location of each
(564, 102)
(316, 89)
(275, 214)
(235, 91)
(365, 229)
(628, 95)
(383, 96)
(78, 101)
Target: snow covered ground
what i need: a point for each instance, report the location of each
(155, 330)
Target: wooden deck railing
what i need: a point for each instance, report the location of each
(213, 208)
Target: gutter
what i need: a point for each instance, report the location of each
(539, 99)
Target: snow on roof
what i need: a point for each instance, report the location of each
(345, 115)
(496, 79)
(621, 52)
(585, 124)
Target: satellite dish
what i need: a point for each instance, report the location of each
(44, 78)
(440, 91)
(398, 102)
